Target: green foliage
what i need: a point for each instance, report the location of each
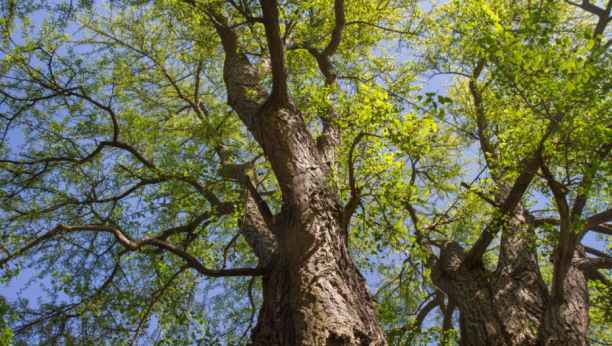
(154, 69)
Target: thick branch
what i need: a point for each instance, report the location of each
(514, 197)
(276, 47)
(595, 252)
(603, 229)
(567, 238)
(593, 263)
(596, 222)
(589, 7)
(336, 37)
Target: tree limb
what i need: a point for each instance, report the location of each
(276, 48)
(593, 263)
(514, 197)
(137, 244)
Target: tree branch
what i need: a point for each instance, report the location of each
(514, 197)
(361, 22)
(595, 252)
(135, 245)
(336, 36)
(480, 194)
(589, 7)
(421, 315)
(587, 180)
(276, 48)
(595, 223)
(567, 238)
(593, 263)
(351, 205)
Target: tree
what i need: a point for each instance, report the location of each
(169, 143)
(168, 138)
(531, 92)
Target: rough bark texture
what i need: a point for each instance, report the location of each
(567, 320)
(472, 291)
(313, 294)
(513, 306)
(519, 293)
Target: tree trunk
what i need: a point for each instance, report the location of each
(472, 291)
(315, 295)
(513, 307)
(519, 292)
(567, 320)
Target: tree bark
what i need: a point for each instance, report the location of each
(514, 307)
(566, 321)
(519, 292)
(315, 295)
(472, 291)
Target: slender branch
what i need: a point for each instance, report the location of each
(481, 119)
(361, 22)
(336, 36)
(438, 301)
(156, 295)
(353, 202)
(135, 245)
(190, 227)
(587, 180)
(480, 194)
(350, 207)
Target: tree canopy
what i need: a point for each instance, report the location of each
(206, 172)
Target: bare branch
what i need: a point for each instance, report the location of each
(135, 245)
(595, 251)
(593, 263)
